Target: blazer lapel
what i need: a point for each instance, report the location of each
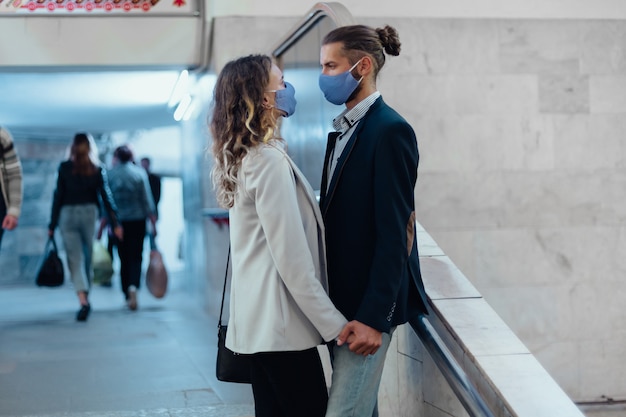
(330, 145)
(340, 164)
(301, 179)
(326, 196)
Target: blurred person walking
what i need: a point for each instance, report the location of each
(155, 188)
(155, 182)
(81, 186)
(131, 190)
(10, 183)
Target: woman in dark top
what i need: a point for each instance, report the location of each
(81, 187)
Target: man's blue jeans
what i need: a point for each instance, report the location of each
(355, 382)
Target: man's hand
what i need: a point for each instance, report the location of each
(9, 222)
(118, 231)
(361, 338)
(153, 220)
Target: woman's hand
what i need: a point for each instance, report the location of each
(361, 338)
(103, 223)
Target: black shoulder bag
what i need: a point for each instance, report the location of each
(50, 272)
(230, 366)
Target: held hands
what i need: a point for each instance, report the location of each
(361, 338)
(9, 222)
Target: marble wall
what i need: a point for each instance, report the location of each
(522, 179)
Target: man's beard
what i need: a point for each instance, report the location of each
(356, 91)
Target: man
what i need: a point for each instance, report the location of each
(155, 188)
(10, 183)
(367, 200)
(154, 180)
(131, 192)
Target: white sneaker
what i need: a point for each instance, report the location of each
(132, 297)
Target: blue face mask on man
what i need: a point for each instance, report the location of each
(285, 99)
(338, 88)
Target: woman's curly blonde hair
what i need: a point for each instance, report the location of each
(238, 120)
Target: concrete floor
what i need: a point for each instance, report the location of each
(157, 361)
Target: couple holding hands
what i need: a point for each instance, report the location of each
(344, 271)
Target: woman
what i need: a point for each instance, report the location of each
(131, 190)
(80, 183)
(279, 309)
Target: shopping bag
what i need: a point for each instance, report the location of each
(50, 272)
(156, 275)
(102, 264)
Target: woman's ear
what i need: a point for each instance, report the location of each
(266, 101)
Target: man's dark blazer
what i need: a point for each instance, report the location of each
(369, 215)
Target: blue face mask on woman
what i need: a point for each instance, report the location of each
(285, 99)
(338, 88)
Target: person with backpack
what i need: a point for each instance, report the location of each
(10, 183)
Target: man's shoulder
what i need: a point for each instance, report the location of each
(384, 116)
(381, 109)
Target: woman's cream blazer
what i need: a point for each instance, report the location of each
(278, 296)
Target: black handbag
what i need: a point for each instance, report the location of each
(230, 366)
(51, 272)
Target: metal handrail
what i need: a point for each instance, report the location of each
(337, 12)
(465, 391)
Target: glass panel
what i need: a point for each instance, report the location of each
(306, 131)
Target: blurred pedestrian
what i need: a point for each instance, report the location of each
(10, 183)
(133, 196)
(154, 180)
(81, 185)
(155, 187)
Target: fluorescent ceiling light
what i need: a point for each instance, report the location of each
(182, 107)
(180, 89)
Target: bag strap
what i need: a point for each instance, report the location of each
(224, 290)
(52, 242)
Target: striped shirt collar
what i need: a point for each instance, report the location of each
(349, 118)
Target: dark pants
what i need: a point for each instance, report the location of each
(111, 242)
(130, 251)
(289, 384)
